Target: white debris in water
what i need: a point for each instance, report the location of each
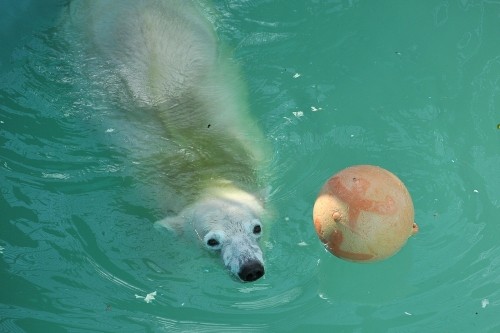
(314, 109)
(484, 303)
(55, 175)
(302, 244)
(296, 75)
(298, 114)
(148, 298)
(110, 130)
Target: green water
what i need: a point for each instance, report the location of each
(412, 86)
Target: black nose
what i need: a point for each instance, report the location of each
(251, 271)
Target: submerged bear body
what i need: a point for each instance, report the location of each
(167, 57)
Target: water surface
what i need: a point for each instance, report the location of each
(410, 86)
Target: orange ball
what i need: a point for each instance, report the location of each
(364, 213)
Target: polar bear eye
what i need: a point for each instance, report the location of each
(212, 242)
(253, 227)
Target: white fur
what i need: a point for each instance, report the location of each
(228, 215)
(167, 56)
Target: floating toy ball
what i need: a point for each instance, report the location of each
(364, 213)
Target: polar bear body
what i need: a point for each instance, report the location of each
(167, 57)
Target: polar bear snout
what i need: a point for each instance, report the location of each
(243, 257)
(251, 271)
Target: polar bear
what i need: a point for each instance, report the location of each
(170, 63)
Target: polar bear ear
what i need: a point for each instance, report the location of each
(172, 223)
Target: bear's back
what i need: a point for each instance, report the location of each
(165, 56)
(161, 48)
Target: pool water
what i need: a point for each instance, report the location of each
(412, 86)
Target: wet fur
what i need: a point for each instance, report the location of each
(168, 58)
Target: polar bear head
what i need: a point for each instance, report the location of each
(233, 228)
(227, 220)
